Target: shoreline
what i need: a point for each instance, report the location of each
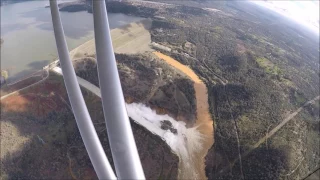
(122, 39)
(88, 48)
(202, 123)
(35, 58)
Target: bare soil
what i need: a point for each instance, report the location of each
(9, 88)
(40, 139)
(130, 39)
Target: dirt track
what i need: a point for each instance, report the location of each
(279, 126)
(273, 131)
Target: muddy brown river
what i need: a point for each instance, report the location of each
(194, 167)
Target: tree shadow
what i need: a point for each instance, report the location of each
(230, 105)
(262, 163)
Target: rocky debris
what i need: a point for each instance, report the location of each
(167, 125)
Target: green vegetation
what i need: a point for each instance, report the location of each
(269, 67)
(218, 29)
(257, 72)
(270, 75)
(299, 98)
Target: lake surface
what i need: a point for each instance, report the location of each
(29, 43)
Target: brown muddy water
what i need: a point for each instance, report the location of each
(194, 167)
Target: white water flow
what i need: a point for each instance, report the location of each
(184, 143)
(193, 166)
(190, 144)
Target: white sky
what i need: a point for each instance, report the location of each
(305, 12)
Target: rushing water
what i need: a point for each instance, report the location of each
(193, 166)
(29, 44)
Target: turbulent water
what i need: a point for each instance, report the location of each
(186, 139)
(190, 144)
(193, 166)
(185, 143)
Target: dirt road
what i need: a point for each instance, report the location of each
(279, 126)
(195, 169)
(272, 132)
